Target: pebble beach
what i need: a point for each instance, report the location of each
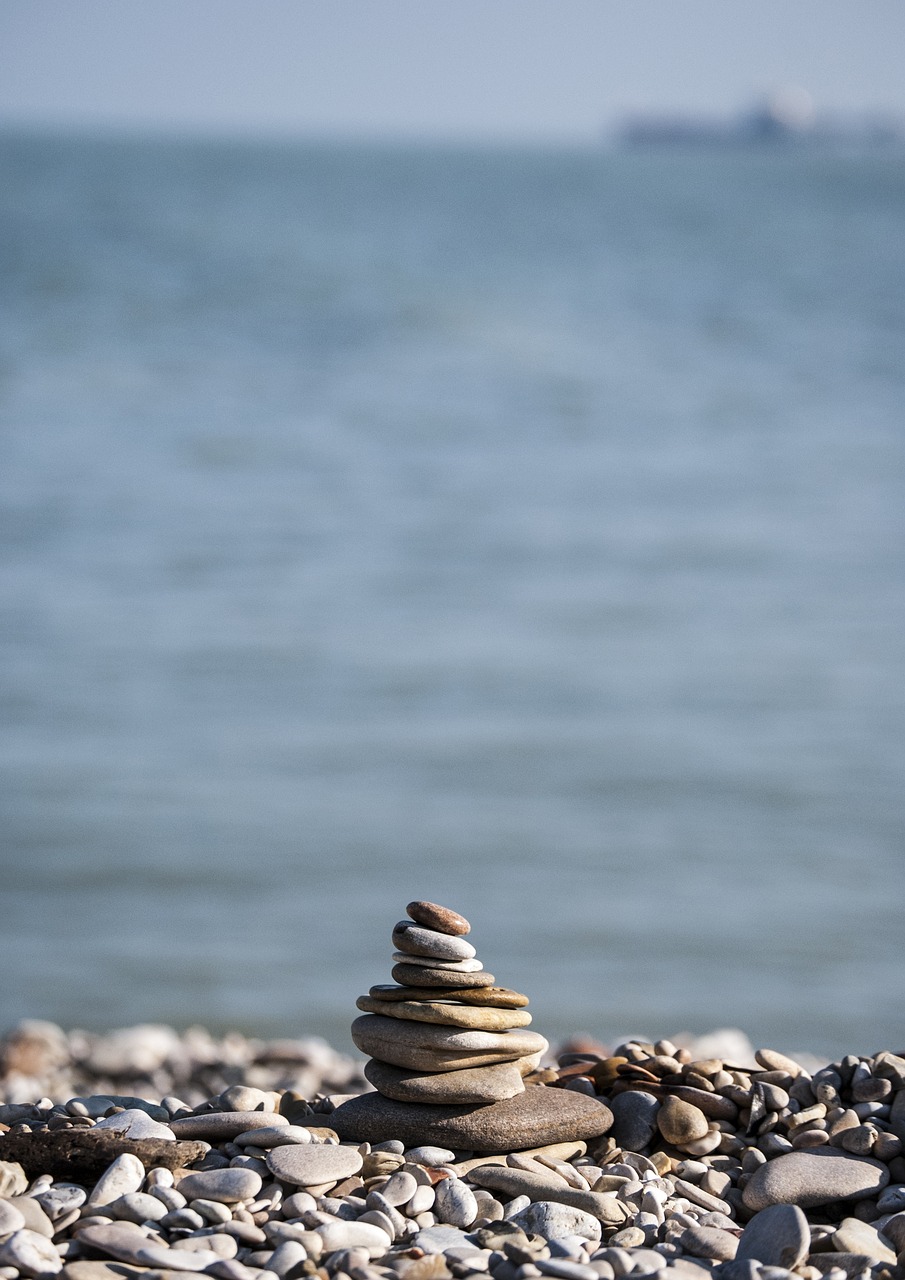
(147, 1152)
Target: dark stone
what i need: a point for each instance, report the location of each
(82, 1155)
(634, 1119)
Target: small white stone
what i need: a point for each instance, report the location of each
(125, 1174)
(30, 1253)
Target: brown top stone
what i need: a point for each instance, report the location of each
(533, 1118)
(433, 916)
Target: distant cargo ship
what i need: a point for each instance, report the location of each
(785, 116)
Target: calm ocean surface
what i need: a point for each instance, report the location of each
(520, 530)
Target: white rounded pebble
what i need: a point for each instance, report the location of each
(30, 1253)
(224, 1186)
(553, 1220)
(125, 1174)
(286, 1256)
(213, 1211)
(432, 1157)
(454, 1202)
(399, 1188)
(138, 1206)
(136, 1124)
(161, 1255)
(421, 1202)
(11, 1218)
(353, 1235)
(218, 1242)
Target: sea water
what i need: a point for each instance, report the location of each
(517, 529)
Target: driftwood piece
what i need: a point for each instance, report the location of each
(82, 1155)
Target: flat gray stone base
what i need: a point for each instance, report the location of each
(534, 1118)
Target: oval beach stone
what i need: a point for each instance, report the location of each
(224, 1186)
(777, 1237)
(415, 940)
(809, 1178)
(312, 1166)
(433, 916)
(225, 1126)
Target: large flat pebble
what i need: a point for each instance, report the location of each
(312, 1166)
(225, 1126)
(419, 1046)
(224, 1186)
(809, 1178)
(470, 1017)
(534, 1118)
(477, 1085)
(778, 1237)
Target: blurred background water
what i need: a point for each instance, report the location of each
(516, 528)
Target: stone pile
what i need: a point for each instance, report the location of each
(445, 1033)
(450, 1056)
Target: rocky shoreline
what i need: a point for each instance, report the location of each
(145, 1153)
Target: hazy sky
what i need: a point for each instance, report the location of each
(479, 68)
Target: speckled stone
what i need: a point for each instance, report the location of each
(433, 916)
(777, 1237)
(534, 1118)
(470, 1017)
(489, 997)
(557, 1221)
(478, 1085)
(415, 940)
(809, 1178)
(312, 1166)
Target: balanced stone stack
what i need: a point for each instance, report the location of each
(445, 1034)
(450, 1052)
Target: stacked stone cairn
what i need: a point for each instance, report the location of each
(451, 1058)
(445, 1034)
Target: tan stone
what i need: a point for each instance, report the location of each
(478, 1085)
(447, 1015)
(681, 1122)
(491, 997)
